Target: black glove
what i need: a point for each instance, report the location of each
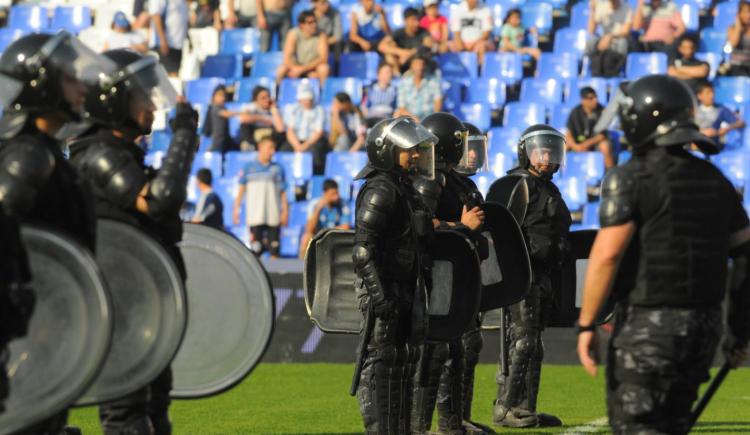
(185, 118)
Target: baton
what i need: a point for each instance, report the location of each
(703, 402)
(362, 350)
(503, 344)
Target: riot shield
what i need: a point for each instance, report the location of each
(69, 333)
(149, 310)
(331, 299)
(512, 192)
(506, 273)
(231, 313)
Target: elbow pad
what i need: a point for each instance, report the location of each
(364, 264)
(168, 190)
(430, 191)
(115, 173)
(24, 170)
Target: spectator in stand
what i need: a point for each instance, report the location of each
(685, 66)
(608, 51)
(436, 24)
(471, 24)
(738, 36)
(262, 185)
(241, 13)
(217, 122)
(273, 17)
(380, 99)
(261, 118)
(206, 14)
(141, 14)
(580, 136)
(513, 35)
(662, 24)
(347, 127)
(329, 212)
(368, 26)
(400, 46)
(419, 94)
(169, 25)
(122, 36)
(209, 210)
(305, 51)
(715, 120)
(305, 123)
(329, 22)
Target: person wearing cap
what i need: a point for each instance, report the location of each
(305, 124)
(305, 51)
(121, 35)
(580, 135)
(680, 220)
(471, 24)
(436, 24)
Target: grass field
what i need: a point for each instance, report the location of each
(313, 399)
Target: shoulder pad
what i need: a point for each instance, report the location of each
(25, 167)
(430, 191)
(374, 205)
(114, 172)
(617, 197)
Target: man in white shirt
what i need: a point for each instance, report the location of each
(169, 24)
(305, 124)
(471, 25)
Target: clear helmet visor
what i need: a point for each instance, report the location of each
(76, 60)
(411, 140)
(10, 89)
(148, 82)
(424, 165)
(474, 158)
(545, 148)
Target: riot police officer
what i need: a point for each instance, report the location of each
(541, 152)
(683, 218)
(44, 80)
(391, 230)
(122, 110)
(454, 201)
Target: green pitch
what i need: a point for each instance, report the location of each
(313, 399)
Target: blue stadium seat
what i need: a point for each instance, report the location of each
(503, 139)
(735, 165)
(288, 90)
(235, 161)
(350, 85)
(713, 40)
(690, 15)
(244, 41)
(573, 191)
(487, 91)
(160, 140)
(537, 15)
(463, 66)
(713, 60)
(228, 66)
(544, 91)
(210, 160)
(559, 115)
(478, 114)
(579, 15)
(29, 18)
(452, 94)
(725, 14)
(363, 66)
(591, 214)
(71, 18)
(298, 213)
(200, 90)
(344, 164)
(570, 40)
(244, 88)
(522, 114)
(498, 9)
(732, 90)
(483, 180)
(394, 15)
(345, 12)
(315, 187)
(507, 67)
(501, 163)
(266, 64)
(289, 240)
(640, 64)
(573, 88)
(624, 157)
(8, 36)
(226, 189)
(296, 165)
(746, 142)
(234, 122)
(590, 165)
(154, 158)
(557, 66)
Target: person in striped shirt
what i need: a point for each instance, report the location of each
(380, 100)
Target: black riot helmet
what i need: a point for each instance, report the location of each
(451, 134)
(658, 110)
(474, 156)
(139, 82)
(541, 144)
(41, 73)
(389, 135)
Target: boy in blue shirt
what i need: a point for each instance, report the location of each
(329, 212)
(714, 120)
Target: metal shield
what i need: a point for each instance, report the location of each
(148, 301)
(506, 273)
(512, 192)
(231, 313)
(69, 334)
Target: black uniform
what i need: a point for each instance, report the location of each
(545, 228)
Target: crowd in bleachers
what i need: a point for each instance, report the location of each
(307, 78)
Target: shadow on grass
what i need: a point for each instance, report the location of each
(722, 427)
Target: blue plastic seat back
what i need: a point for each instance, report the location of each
(570, 40)
(507, 67)
(71, 18)
(478, 114)
(544, 91)
(641, 64)
(235, 161)
(351, 86)
(244, 41)
(29, 18)
(243, 92)
(228, 66)
(599, 84)
(266, 64)
(522, 115)
(537, 15)
(713, 40)
(558, 66)
(345, 164)
(490, 91)
(200, 90)
(732, 90)
(363, 66)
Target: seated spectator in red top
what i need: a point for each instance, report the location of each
(685, 66)
(662, 24)
(400, 46)
(580, 136)
(436, 24)
(738, 36)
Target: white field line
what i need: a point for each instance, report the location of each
(590, 427)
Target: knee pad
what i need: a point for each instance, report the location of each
(524, 348)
